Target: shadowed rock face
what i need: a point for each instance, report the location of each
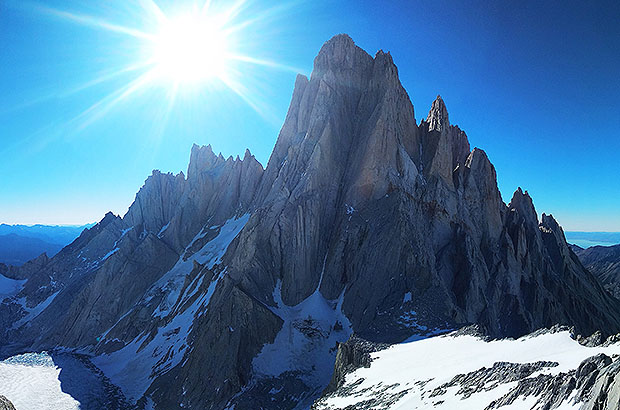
(363, 221)
(603, 262)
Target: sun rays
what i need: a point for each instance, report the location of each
(191, 49)
(193, 53)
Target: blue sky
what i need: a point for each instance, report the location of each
(535, 85)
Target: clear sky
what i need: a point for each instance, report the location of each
(535, 84)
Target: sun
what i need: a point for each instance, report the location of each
(193, 52)
(190, 49)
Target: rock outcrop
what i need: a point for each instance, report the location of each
(5, 404)
(218, 288)
(351, 355)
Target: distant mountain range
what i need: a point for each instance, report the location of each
(587, 239)
(21, 243)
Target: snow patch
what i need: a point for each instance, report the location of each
(10, 287)
(210, 254)
(162, 230)
(134, 367)
(34, 311)
(307, 342)
(125, 232)
(112, 252)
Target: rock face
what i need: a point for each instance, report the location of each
(233, 285)
(605, 389)
(5, 404)
(603, 262)
(351, 355)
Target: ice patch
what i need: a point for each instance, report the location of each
(10, 287)
(307, 342)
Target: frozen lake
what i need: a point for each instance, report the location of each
(39, 381)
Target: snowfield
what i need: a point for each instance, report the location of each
(408, 375)
(57, 381)
(9, 287)
(31, 381)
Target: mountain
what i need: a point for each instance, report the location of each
(604, 262)
(21, 243)
(17, 250)
(233, 286)
(56, 234)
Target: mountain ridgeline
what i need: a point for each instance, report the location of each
(21, 243)
(232, 286)
(604, 262)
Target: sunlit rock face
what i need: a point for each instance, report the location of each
(233, 285)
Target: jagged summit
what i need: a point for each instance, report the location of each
(203, 158)
(438, 115)
(338, 48)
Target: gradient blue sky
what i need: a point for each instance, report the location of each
(535, 84)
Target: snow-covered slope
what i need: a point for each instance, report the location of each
(467, 372)
(57, 381)
(9, 287)
(155, 351)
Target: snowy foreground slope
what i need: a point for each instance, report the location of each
(465, 372)
(56, 381)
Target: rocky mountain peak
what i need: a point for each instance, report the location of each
(522, 202)
(107, 219)
(550, 222)
(342, 61)
(247, 154)
(438, 115)
(200, 159)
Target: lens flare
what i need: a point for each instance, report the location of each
(192, 53)
(190, 49)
